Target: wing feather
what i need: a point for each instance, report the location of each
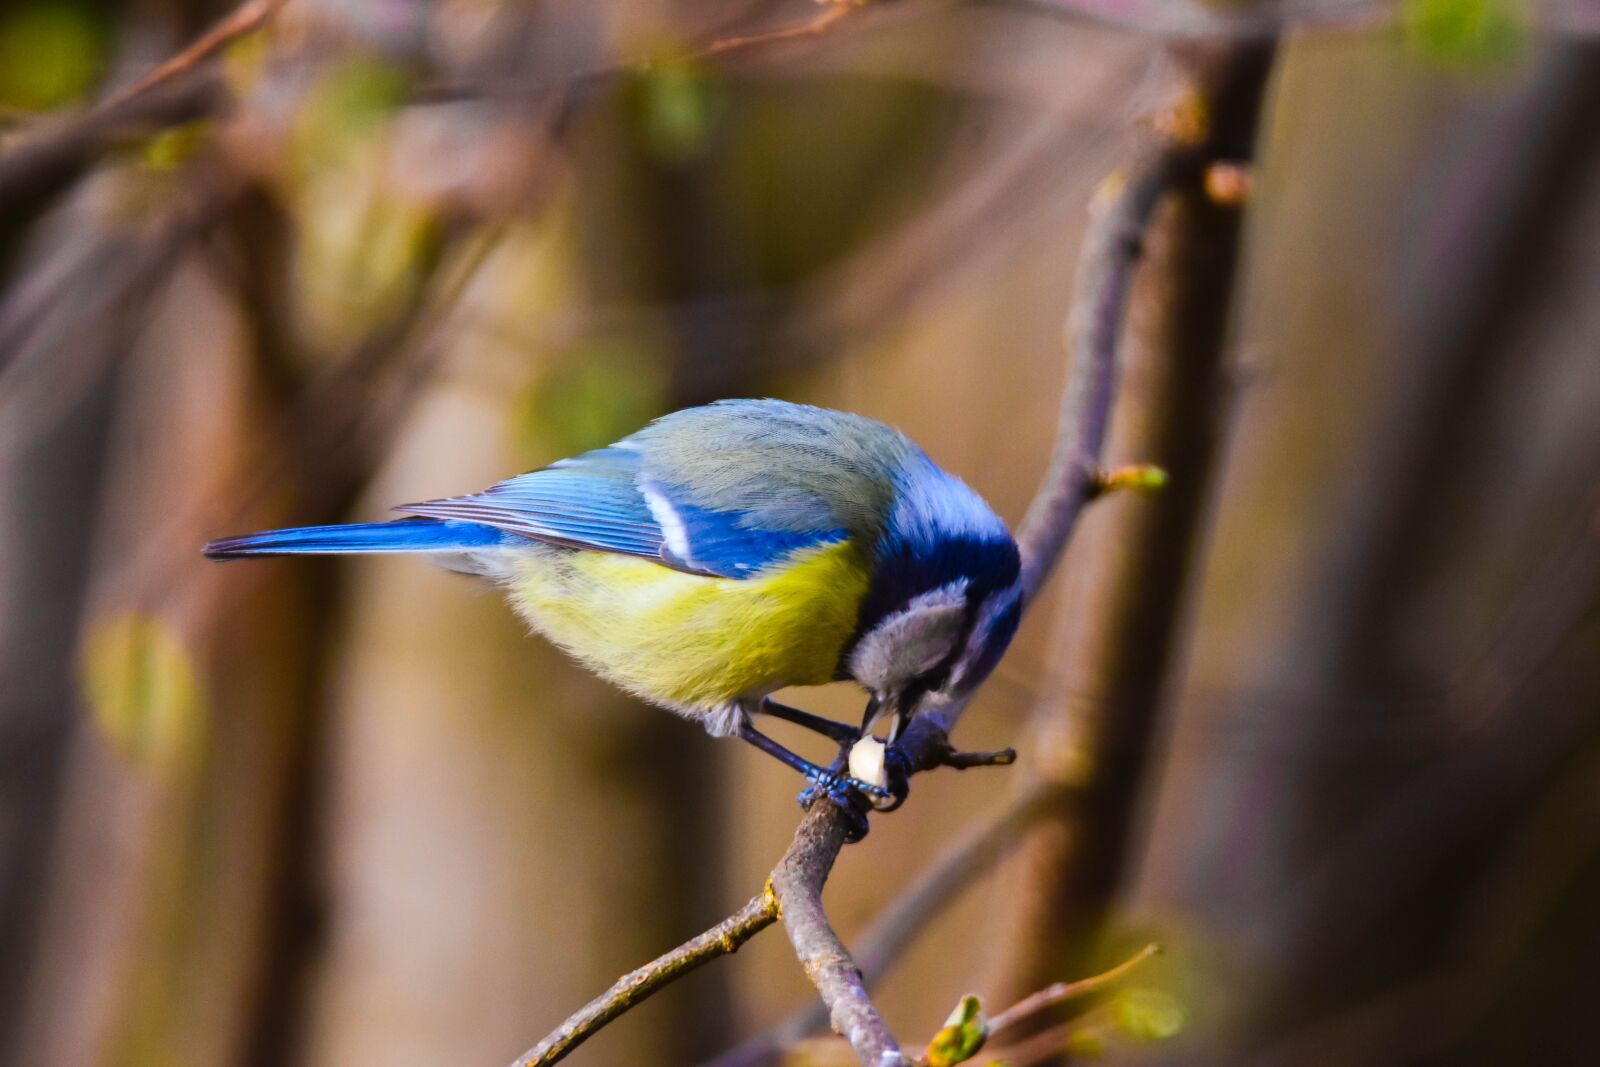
(597, 501)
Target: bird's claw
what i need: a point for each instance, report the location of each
(856, 797)
(851, 795)
(833, 784)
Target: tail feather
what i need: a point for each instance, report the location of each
(402, 535)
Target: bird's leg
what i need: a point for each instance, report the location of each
(825, 778)
(837, 731)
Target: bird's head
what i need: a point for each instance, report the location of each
(944, 600)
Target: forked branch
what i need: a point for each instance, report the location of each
(972, 855)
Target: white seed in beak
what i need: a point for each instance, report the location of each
(867, 761)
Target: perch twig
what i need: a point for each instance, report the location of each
(639, 985)
(888, 936)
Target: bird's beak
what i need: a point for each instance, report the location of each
(874, 712)
(888, 706)
(894, 728)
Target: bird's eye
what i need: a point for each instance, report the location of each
(913, 693)
(935, 679)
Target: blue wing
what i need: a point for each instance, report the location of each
(725, 543)
(597, 501)
(402, 535)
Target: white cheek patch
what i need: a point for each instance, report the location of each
(911, 641)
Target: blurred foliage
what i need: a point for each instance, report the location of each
(1087, 1042)
(599, 392)
(360, 258)
(171, 148)
(675, 104)
(1148, 1014)
(50, 54)
(1480, 35)
(244, 62)
(364, 242)
(349, 104)
(821, 168)
(1142, 1014)
(142, 688)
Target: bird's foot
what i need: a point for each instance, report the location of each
(835, 782)
(851, 795)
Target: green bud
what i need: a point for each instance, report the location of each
(1140, 478)
(964, 1033)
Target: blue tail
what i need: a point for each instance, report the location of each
(402, 535)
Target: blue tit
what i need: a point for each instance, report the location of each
(725, 552)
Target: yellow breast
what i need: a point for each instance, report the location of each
(691, 641)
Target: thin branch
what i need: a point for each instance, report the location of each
(794, 892)
(1181, 19)
(887, 937)
(570, 92)
(1262, 20)
(1110, 252)
(798, 882)
(967, 1032)
(834, 12)
(1123, 619)
(45, 161)
(1064, 991)
(1093, 330)
(1045, 1047)
(246, 18)
(634, 988)
(38, 164)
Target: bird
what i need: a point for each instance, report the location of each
(726, 551)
